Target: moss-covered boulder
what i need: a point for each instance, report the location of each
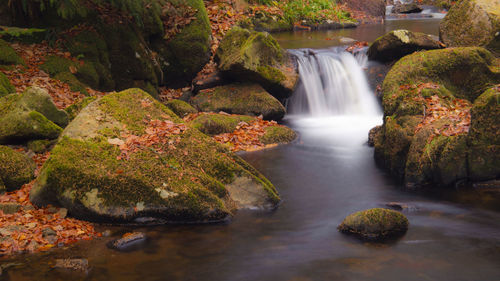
(127, 157)
(427, 97)
(471, 23)
(16, 169)
(184, 55)
(278, 134)
(214, 124)
(244, 99)
(245, 55)
(399, 43)
(375, 224)
(75, 108)
(484, 137)
(181, 108)
(23, 35)
(30, 115)
(7, 55)
(5, 86)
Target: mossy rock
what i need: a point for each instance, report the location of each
(184, 55)
(54, 65)
(245, 55)
(40, 146)
(266, 23)
(417, 154)
(30, 115)
(214, 124)
(74, 84)
(484, 136)
(23, 35)
(75, 108)
(471, 23)
(189, 178)
(181, 108)
(16, 169)
(7, 55)
(5, 86)
(278, 134)
(375, 224)
(244, 99)
(399, 43)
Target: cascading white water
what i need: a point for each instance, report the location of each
(332, 82)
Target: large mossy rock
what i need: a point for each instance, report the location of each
(16, 169)
(30, 115)
(182, 175)
(244, 99)
(245, 55)
(375, 224)
(7, 54)
(399, 43)
(184, 55)
(472, 23)
(5, 86)
(424, 152)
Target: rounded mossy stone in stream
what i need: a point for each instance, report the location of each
(8, 55)
(16, 169)
(245, 55)
(185, 54)
(471, 23)
(215, 124)
(240, 98)
(185, 176)
(181, 108)
(399, 43)
(5, 86)
(75, 108)
(375, 224)
(484, 136)
(278, 134)
(30, 115)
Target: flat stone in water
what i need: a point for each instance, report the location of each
(128, 240)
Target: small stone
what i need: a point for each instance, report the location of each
(52, 210)
(63, 212)
(128, 239)
(31, 225)
(73, 264)
(399, 206)
(33, 246)
(28, 208)
(9, 208)
(48, 232)
(107, 233)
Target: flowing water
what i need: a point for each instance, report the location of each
(324, 176)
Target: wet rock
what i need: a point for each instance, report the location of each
(399, 206)
(472, 23)
(375, 224)
(399, 43)
(373, 134)
(9, 208)
(73, 264)
(16, 169)
(211, 80)
(180, 177)
(401, 8)
(128, 240)
(240, 98)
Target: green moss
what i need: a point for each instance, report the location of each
(75, 108)
(74, 84)
(272, 74)
(215, 124)
(16, 168)
(39, 100)
(5, 86)
(278, 134)
(40, 146)
(181, 108)
(87, 74)
(8, 55)
(24, 35)
(375, 224)
(54, 65)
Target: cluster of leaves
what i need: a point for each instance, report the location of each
(356, 47)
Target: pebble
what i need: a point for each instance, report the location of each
(73, 264)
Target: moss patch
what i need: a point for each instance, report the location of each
(8, 55)
(215, 124)
(181, 108)
(16, 169)
(278, 134)
(5, 86)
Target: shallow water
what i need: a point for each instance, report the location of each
(328, 173)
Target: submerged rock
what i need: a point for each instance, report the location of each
(472, 23)
(128, 240)
(127, 156)
(73, 264)
(375, 224)
(244, 99)
(16, 169)
(399, 43)
(245, 55)
(30, 115)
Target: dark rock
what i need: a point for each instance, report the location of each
(400, 8)
(128, 240)
(399, 206)
(373, 134)
(375, 224)
(212, 80)
(73, 264)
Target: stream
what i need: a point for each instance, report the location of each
(328, 173)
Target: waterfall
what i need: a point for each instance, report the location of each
(332, 83)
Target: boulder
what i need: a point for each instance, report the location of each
(30, 115)
(16, 169)
(425, 150)
(8, 55)
(245, 55)
(399, 43)
(126, 157)
(375, 224)
(278, 135)
(472, 23)
(244, 99)
(374, 8)
(75, 108)
(403, 8)
(214, 124)
(5, 86)
(181, 108)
